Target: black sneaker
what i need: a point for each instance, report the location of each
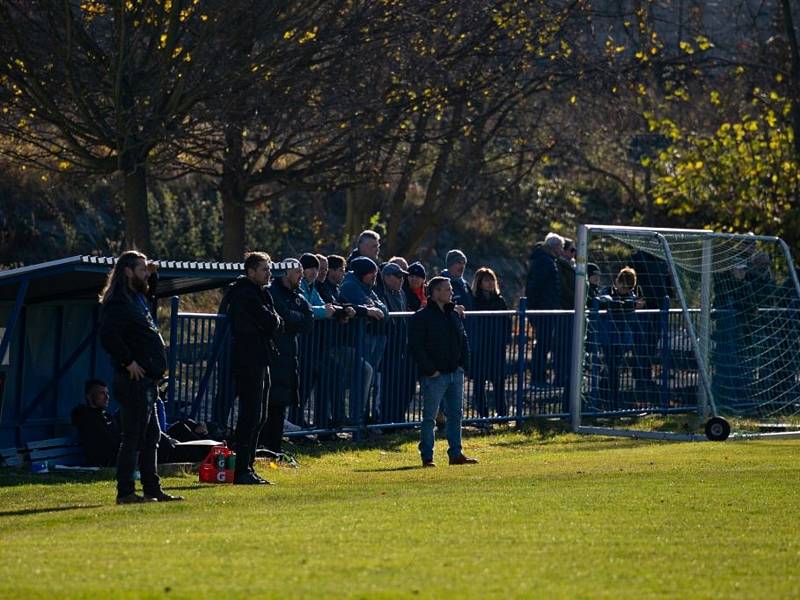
(163, 497)
(261, 480)
(248, 478)
(134, 499)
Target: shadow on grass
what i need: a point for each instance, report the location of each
(389, 469)
(12, 477)
(50, 509)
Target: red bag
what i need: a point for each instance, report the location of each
(218, 466)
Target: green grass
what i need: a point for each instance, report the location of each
(540, 516)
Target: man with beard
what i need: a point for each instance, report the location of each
(297, 318)
(254, 324)
(130, 336)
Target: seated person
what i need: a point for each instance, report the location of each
(98, 431)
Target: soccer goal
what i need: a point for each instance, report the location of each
(687, 334)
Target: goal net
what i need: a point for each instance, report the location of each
(687, 333)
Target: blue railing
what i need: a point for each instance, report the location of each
(355, 378)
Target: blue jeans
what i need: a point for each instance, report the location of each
(446, 389)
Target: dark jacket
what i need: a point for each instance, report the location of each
(328, 292)
(98, 434)
(543, 288)
(295, 312)
(490, 336)
(566, 274)
(355, 292)
(437, 340)
(128, 332)
(254, 322)
(461, 293)
(413, 301)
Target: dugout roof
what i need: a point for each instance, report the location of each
(82, 278)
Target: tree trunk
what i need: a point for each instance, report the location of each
(233, 194)
(233, 225)
(137, 220)
(395, 215)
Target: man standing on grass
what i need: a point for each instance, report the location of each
(438, 343)
(130, 336)
(254, 324)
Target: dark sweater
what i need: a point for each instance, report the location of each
(253, 320)
(437, 340)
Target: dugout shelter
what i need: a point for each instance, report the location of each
(48, 324)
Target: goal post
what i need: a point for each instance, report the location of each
(684, 330)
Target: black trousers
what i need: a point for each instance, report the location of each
(140, 434)
(252, 388)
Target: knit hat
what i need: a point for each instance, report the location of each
(309, 261)
(417, 269)
(453, 257)
(279, 269)
(592, 269)
(362, 265)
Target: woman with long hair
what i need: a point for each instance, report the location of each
(490, 337)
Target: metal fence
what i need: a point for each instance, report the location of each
(355, 376)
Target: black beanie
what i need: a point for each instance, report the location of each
(309, 261)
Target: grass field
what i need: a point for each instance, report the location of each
(541, 516)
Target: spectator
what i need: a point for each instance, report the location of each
(392, 295)
(255, 325)
(329, 288)
(566, 271)
(295, 313)
(319, 308)
(654, 286)
(98, 431)
(357, 290)
(621, 302)
(399, 261)
(491, 336)
(438, 343)
(368, 244)
(398, 380)
(323, 269)
(416, 297)
(456, 262)
(543, 291)
(593, 279)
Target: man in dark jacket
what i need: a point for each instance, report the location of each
(254, 324)
(543, 291)
(438, 343)
(98, 433)
(297, 319)
(130, 336)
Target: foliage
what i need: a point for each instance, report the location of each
(742, 176)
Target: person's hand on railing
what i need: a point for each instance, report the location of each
(459, 308)
(349, 312)
(329, 310)
(375, 313)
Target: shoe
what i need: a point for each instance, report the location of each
(134, 499)
(261, 480)
(428, 463)
(163, 497)
(463, 460)
(248, 479)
